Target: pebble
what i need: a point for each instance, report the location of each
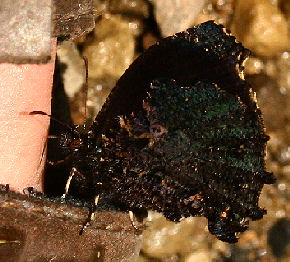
(176, 15)
(164, 238)
(260, 26)
(253, 65)
(135, 8)
(279, 237)
(74, 73)
(220, 11)
(198, 256)
(111, 49)
(284, 72)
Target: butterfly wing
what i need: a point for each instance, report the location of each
(190, 147)
(206, 51)
(204, 157)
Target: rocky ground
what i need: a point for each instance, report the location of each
(124, 28)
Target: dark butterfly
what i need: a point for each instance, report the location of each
(180, 134)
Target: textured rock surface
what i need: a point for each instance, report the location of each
(176, 15)
(129, 7)
(111, 49)
(260, 26)
(162, 237)
(220, 11)
(74, 72)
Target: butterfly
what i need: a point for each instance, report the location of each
(180, 134)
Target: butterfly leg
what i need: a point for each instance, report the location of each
(58, 162)
(91, 215)
(132, 219)
(72, 173)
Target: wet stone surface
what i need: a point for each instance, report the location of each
(40, 229)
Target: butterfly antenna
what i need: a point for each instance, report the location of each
(86, 87)
(51, 117)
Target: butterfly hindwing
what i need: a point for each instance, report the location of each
(204, 157)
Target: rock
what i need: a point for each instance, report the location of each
(253, 65)
(248, 240)
(279, 237)
(111, 50)
(133, 11)
(201, 255)
(137, 8)
(221, 11)
(284, 72)
(163, 238)
(176, 15)
(275, 107)
(285, 7)
(74, 73)
(260, 26)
